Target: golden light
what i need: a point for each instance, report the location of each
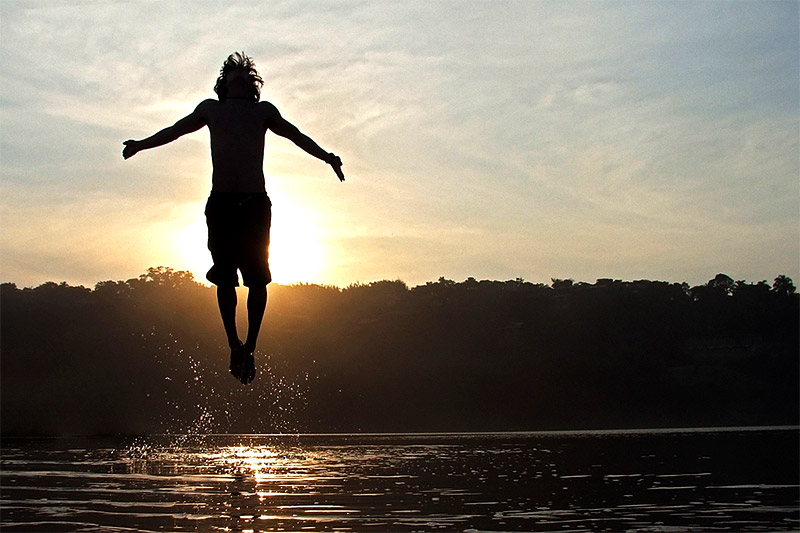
(296, 253)
(257, 461)
(191, 249)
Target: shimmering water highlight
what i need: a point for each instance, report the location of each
(721, 480)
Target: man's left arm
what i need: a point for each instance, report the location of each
(284, 128)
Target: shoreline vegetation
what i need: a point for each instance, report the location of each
(148, 355)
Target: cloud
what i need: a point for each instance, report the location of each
(569, 130)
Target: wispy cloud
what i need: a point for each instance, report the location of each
(527, 139)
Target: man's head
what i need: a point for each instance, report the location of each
(239, 69)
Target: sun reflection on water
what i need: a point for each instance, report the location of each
(257, 462)
(406, 483)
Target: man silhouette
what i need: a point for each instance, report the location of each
(238, 211)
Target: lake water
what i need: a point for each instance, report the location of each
(743, 479)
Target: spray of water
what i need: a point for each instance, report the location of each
(197, 398)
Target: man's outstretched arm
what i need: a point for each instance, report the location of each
(284, 128)
(187, 124)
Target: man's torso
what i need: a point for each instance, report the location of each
(237, 131)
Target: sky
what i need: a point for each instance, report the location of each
(494, 140)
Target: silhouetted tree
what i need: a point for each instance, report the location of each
(784, 285)
(722, 283)
(149, 354)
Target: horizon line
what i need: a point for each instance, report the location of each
(358, 283)
(535, 432)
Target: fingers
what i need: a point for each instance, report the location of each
(130, 148)
(336, 163)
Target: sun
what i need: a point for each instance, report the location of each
(296, 254)
(295, 251)
(190, 251)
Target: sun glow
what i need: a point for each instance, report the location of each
(296, 253)
(258, 461)
(192, 251)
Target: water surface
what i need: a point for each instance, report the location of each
(743, 479)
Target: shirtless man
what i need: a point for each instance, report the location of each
(238, 212)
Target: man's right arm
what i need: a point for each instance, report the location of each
(187, 124)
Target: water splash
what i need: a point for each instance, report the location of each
(199, 397)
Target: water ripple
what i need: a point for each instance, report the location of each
(515, 482)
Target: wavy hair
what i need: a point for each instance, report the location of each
(239, 61)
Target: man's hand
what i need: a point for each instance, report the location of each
(336, 162)
(131, 147)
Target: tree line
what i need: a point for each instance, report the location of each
(149, 355)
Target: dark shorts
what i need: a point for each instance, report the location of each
(238, 238)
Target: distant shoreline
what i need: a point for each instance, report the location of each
(415, 435)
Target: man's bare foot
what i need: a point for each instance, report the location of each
(248, 367)
(237, 355)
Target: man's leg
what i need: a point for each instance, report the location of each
(255, 275)
(226, 299)
(256, 305)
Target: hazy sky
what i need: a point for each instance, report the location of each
(533, 139)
